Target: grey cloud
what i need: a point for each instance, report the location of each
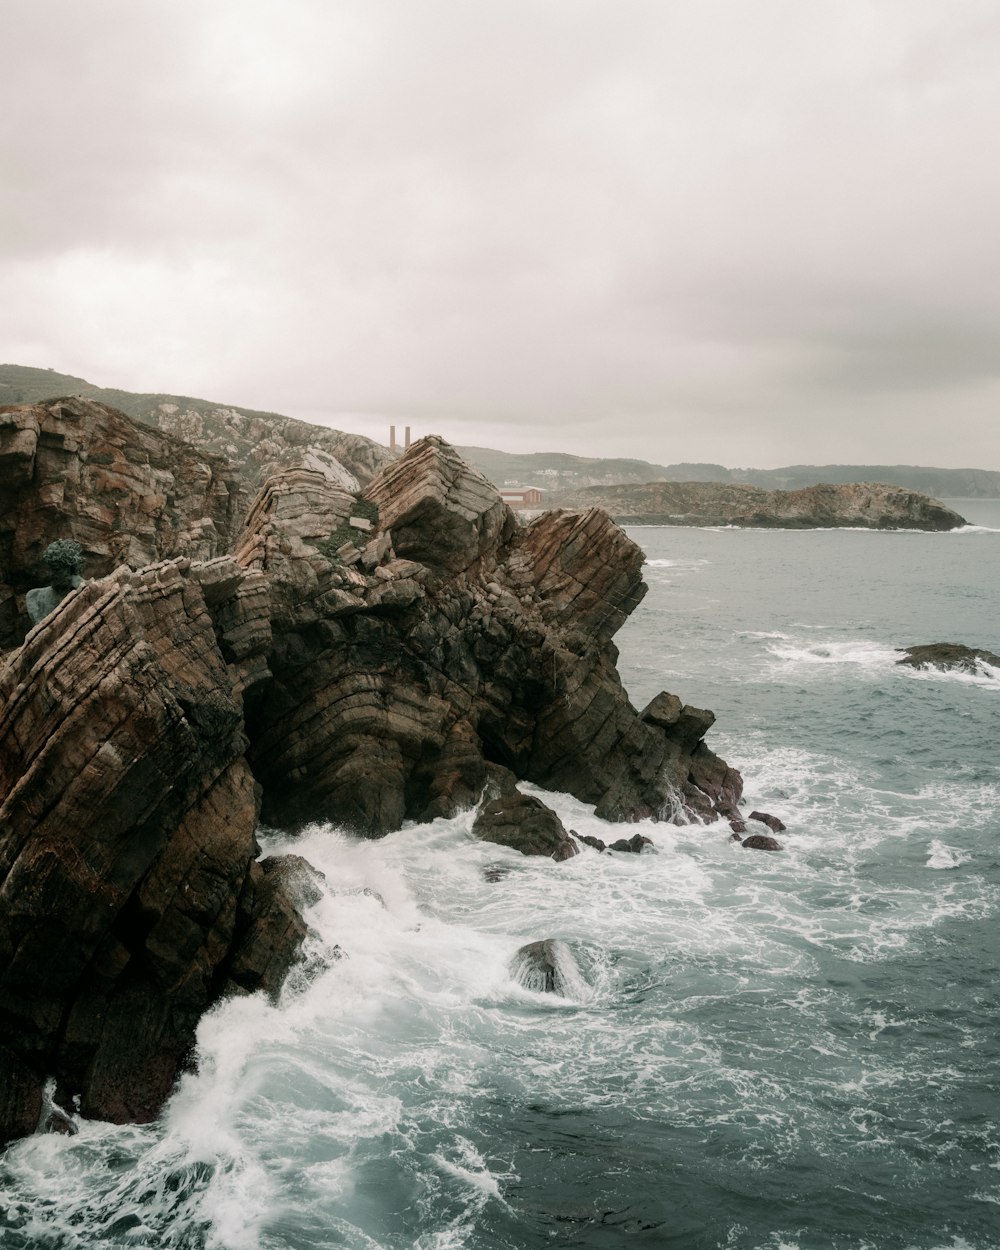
(670, 229)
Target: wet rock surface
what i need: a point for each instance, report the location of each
(772, 822)
(762, 842)
(953, 656)
(129, 895)
(524, 823)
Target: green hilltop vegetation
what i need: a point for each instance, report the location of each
(234, 432)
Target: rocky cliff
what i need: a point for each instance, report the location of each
(859, 504)
(364, 657)
(72, 468)
(448, 639)
(130, 895)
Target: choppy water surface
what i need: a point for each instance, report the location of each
(795, 1050)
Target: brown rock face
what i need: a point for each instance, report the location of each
(72, 468)
(128, 887)
(461, 642)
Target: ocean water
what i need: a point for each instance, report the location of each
(790, 1051)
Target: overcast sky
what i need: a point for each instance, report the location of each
(748, 231)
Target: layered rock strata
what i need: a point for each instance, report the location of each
(450, 639)
(864, 505)
(404, 653)
(130, 898)
(73, 468)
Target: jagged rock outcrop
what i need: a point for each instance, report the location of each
(129, 893)
(866, 505)
(364, 657)
(761, 842)
(950, 655)
(73, 468)
(449, 640)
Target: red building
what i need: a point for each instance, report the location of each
(522, 496)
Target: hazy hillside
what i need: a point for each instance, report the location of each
(557, 471)
(258, 442)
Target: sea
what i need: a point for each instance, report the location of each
(791, 1051)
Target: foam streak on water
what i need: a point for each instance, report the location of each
(757, 1050)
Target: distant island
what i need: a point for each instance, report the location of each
(864, 505)
(559, 472)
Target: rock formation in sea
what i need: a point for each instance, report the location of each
(364, 655)
(866, 505)
(949, 655)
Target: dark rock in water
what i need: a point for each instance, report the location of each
(772, 822)
(526, 824)
(496, 872)
(738, 826)
(632, 845)
(57, 1121)
(22, 1096)
(949, 655)
(596, 843)
(762, 842)
(548, 967)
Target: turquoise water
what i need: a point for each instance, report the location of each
(783, 1051)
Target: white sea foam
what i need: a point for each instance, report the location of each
(860, 653)
(944, 857)
(986, 675)
(692, 563)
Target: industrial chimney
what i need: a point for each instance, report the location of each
(407, 442)
(392, 438)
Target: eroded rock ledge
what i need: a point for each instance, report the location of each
(364, 660)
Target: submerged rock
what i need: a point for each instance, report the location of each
(772, 822)
(953, 656)
(548, 967)
(633, 845)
